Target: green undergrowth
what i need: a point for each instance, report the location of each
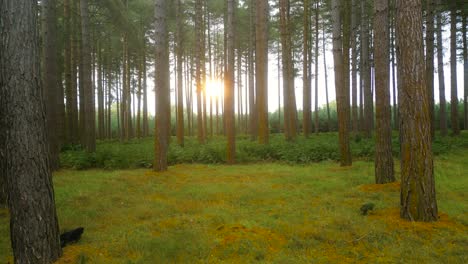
(255, 213)
(139, 153)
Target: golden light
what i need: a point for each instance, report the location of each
(214, 88)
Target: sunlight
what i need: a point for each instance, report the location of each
(214, 88)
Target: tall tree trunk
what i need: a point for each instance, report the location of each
(341, 89)
(229, 85)
(325, 71)
(198, 76)
(80, 79)
(261, 66)
(180, 98)
(72, 96)
(392, 48)
(465, 72)
(418, 201)
(288, 72)
(24, 157)
(163, 113)
(430, 61)
(139, 92)
(317, 127)
(90, 137)
(453, 71)
(306, 85)
(440, 69)
(145, 94)
(100, 90)
(366, 71)
(384, 171)
(252, 61)
(50, 80)
(354, 56)
(346, 61)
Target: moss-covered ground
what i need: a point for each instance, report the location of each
(256, 213)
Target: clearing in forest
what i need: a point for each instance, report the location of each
(265, 213)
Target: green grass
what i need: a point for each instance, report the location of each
(139, 153)
(255, 213)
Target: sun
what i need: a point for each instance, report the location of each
(214, 88)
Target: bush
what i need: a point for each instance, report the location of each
(140, 153)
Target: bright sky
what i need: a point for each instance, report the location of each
(273, 82)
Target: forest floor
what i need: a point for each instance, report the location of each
(257, 213)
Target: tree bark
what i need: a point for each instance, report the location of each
(453, 71)
(229, 84)
(325, 71)
(384, 171)
(199, 71)
(288, 72)
(440, 69)
(465, 71)
(317, 125)
(163, 113)
(100, 91)
(145, 94)
(354, 56)
(430, 61)
(341, 90)
(366, 71)
(261, 66)
(180, 98)
(306, 85)
(89, 111)
(252, 61)
(418, 201)
(24, 158)
(50, 80)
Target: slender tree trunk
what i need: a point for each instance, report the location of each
(453, 71)
(394, 70)
(261, 66)
(341, 89)
(279, 87)
(163, 113)
(252, 61)
(465, 72)
(180, 102)
(24, 157)
(346, 61)
(50, 80)
(307, 93)
(139, 92)
(229, 85)
(90, 137)
(100, 89)
(440, 69)
(317, 6)
(109, 93)
(325, 71)
(72, 96)
(145, 94)
(430, 61)
(199, 60)
(418, 201)
(384, 171)
(366, 71)
(288, 72)
(354, 56)
(80, 79)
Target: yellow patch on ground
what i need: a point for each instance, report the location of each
(73, 253)
(394, 222)
(231, 237)
(389, 187)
